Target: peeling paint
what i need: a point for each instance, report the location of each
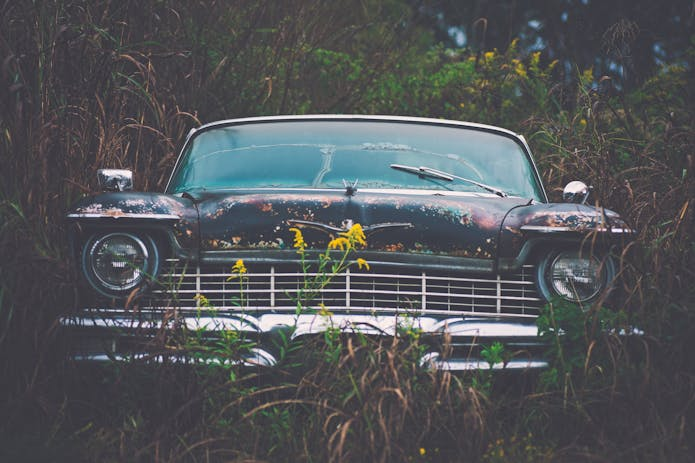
(145, 208)
(134, 202)
(526, 222)
(436, 225)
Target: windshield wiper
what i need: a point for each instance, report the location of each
(424, 171)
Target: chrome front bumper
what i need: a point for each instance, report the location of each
(453, 343)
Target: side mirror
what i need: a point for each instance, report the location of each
(115, 179)
(576, 192)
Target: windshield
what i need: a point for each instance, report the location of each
(325, 153)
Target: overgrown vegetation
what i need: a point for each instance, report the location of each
(96, 84)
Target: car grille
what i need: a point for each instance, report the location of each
(278, 288)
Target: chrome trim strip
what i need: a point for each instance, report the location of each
(433, 361)
(396, 260)
(349, 289)
(492, 327)
(366, 274)
(272, 286)
(548, 229)
(623, 230)
(255, 357)
(388, 311)
(498, 296)
(122, 215)
(471, 325)
(197, 285)
(124, 322)
(385, 191)
(360, 117)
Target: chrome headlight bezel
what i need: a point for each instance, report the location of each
(146, 268)
(593, 277)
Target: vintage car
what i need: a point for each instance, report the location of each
(460, 241)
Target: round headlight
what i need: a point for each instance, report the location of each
(573, 276)
(118, 262)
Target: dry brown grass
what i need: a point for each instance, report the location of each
(85, 85)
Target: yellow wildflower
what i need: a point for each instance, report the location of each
(349, 239)
(324, 312)
(413, 334)
(489, 55)
(535, 58)
(362, 263)
(422, 451)
(341, 243)
(582, 123)
(355, 235)
(587, 76)
(519, 68)
(298, 239)
(239, 269)
(202, 300)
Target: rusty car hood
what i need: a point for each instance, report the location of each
(459, 225)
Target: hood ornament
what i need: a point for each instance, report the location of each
(350, 190)
(346, 224)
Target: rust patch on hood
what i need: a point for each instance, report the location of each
(464, 226)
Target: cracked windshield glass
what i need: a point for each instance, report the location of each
(322, 154)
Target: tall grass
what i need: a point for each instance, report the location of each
(97, 84)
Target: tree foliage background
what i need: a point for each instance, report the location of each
(602, 90)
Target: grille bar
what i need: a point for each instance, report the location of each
(277, 288)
